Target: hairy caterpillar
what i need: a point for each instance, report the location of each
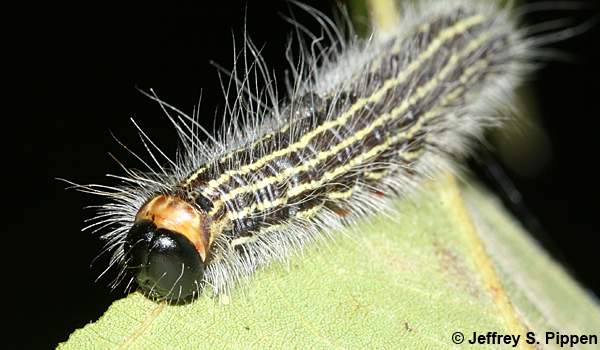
(363, 121)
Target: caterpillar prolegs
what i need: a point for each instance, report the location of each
(363, 121)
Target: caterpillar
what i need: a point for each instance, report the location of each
(364, 121)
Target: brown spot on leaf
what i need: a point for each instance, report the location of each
(455, 270)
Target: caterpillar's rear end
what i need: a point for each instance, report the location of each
(364, 122)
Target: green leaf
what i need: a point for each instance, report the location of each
(451, 261)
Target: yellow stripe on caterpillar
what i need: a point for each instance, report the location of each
(396, 112)
(445, 35)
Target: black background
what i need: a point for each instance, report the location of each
(72, 76)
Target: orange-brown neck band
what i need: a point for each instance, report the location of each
(177, 215)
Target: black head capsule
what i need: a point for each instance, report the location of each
(165, 263)
(166, 249)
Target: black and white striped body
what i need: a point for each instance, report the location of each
(379, 124)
